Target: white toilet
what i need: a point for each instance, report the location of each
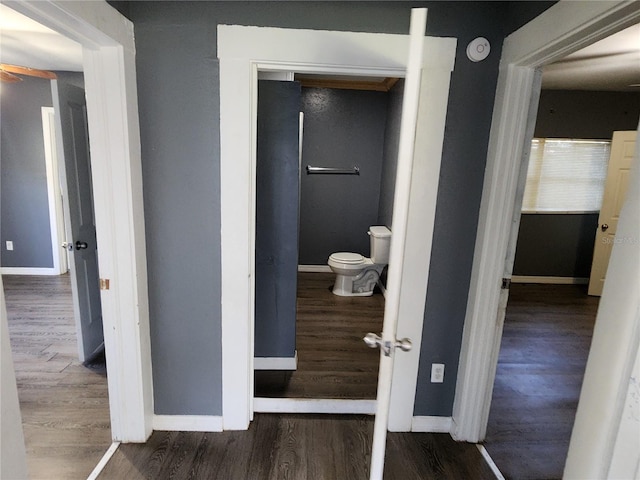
(357, 276)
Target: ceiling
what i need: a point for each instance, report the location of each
(610, 64)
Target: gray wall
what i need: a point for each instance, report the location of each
(342, 128)
(555, 245)
(562, 245)
(390, 156)
(24, 206)
(179, 114)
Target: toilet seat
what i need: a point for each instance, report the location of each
(347, 258)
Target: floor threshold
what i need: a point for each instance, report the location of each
(314, 405)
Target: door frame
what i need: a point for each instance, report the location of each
(55, 193)
(242, 52)
(110, 79)
(567, 26)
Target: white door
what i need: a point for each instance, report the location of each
(73, 146)
(387, 342)
(615, 189)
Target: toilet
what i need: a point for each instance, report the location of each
(357, 276)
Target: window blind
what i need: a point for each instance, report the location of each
(566, 175)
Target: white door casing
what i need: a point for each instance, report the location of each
(243, 51)
(54, 192)
(563, 28)
(112, 107)
(615, 190)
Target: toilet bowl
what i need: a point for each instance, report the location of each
(356, 275)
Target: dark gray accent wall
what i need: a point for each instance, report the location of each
(562, 245)
(24, 205)
(342, 129)
(555, 245)
(390, 157)
(177, 75)
(585, 114)
(277, 214)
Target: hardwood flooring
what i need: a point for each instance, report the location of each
(295, 447)
(333, 361)
(64, 405)
(545, 344)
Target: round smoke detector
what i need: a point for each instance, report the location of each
(478, 49)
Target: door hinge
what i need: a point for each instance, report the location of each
(104, 284)
(506, 283)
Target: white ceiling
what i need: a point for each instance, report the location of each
(611, 64)
(26, 43)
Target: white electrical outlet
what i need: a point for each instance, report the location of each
(9, 245)
(437, 372)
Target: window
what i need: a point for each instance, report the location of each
(566, 176)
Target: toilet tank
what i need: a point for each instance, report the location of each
(380, 239)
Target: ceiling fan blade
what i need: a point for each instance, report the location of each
(32, 72)
(8, 77)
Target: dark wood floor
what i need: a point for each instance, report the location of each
(64, 405)
(333, 361)
(546, 341)
(297, 447)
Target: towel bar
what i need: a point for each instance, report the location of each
(332, 171)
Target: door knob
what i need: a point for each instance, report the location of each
(81, 245)
(67, 246)
(372, 340)
(604, 227)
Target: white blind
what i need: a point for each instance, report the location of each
(566, 175)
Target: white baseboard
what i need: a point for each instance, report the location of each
(431, 424)
(188, 423)
(314, 268)
(313, 405)
(549, 280)
(276, 363)
(28, 271)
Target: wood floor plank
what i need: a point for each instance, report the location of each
(333, 361)
(64, 405)
(545, 344)
(298, 447)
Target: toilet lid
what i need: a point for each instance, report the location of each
(347, 258)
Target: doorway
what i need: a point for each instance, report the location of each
(549, 316)
(518, 89)
(242, 52)
(107, 41)
(52, 371)
(349, 127)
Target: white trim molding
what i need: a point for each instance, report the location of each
(112, 111)
(54, 192)
(549, 280)
(564, 28)
(431, 424)
(187, 423)
(314, 405)
(276, 363)
(28, 271)
(242, 52)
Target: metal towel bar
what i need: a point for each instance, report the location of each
(332, 171)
